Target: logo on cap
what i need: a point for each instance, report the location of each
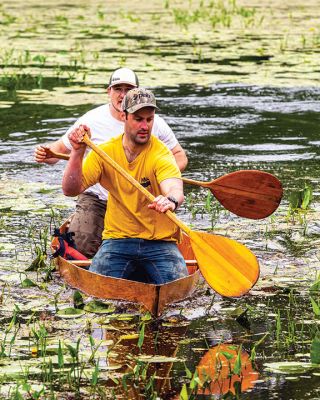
(138, 98)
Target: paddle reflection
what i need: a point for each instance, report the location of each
(226, 368)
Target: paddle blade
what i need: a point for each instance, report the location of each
(229, 267)
(248, 193)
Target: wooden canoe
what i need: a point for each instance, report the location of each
(153, 297)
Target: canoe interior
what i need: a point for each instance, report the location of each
(153, 297)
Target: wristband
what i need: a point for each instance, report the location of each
(174, 201)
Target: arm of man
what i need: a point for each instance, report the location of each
(72, 178)
(163, 131)
(180, 157)
(42, 152)
(171, 188)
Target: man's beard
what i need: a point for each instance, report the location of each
(144, 140)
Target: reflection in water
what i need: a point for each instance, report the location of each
(226, 368)
(149, 365)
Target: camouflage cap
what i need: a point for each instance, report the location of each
(138, 98)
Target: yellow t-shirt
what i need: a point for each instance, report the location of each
(127, 212)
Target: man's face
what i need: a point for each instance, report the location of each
(117, 93)
(138, 126)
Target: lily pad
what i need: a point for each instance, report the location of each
(158, 359)
(292, 378)
(121, 317)
(70, 312)
(289, 367)
(16, 371)
(99, 307)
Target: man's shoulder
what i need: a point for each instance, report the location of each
(157, 143)
(158, 148)
(97, 112)
(113, 142)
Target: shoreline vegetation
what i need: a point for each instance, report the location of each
(55, 58)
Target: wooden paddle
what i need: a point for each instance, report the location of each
(248, 193)
(228, 266)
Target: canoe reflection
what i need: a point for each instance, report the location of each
(152, 363)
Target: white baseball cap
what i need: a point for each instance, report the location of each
(123, 75)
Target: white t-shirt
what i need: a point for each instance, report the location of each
(104, 126)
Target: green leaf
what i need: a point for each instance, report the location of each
(78, 299)
(238, 365)
(306, 197)
(95, 375)
(26, 283)
(60, 356)
(184, 393)
(194, 381)
(238, 312)
(315, 287)
(17, 396)
(315, 350)
(315, 306)
(228, 356)
(188, 372)
(39, 261)
(141, 336)
(72, 351)
(146, 317)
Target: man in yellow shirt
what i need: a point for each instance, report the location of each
(134, 236)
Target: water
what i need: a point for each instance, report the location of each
(237, 98)
(223, 128)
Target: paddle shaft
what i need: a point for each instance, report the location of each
(136, 184)
(195, 183)
(52, 154)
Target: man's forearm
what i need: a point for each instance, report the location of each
(173, 188)
(180, 157)
(72, 177)
(181, 160)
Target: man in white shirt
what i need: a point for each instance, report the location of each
(104, 123)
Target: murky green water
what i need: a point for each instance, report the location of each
(240, 96)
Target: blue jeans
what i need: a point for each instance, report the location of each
(159, 259)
